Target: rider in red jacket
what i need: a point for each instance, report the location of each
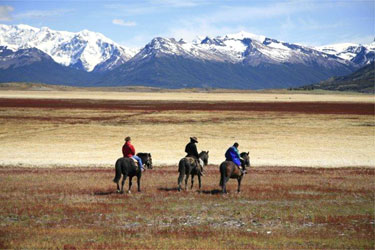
(128, 151)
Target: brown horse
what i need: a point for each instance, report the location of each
(229, 169)
(146, 159)
(127, 167)
(188, 166)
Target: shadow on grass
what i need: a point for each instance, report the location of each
(175, 189)
(165, 189)
(213, 191)
(105, 192)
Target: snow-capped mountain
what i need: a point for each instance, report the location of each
(242, 47)
(82, 50)
(33, 65)
(241, 60)
(21, 57)
(356, 53)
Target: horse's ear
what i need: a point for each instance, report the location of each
(248, 153)
(208, 151)
(149, 154)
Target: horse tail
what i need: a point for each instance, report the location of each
(222, 174)
(181, 166)
(118, 171)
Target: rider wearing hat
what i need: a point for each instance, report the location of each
(232, 154)
(128, 151)
(191, 150)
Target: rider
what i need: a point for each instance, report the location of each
(191, 150)
(233, 155)
(128, 151)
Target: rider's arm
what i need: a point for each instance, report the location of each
(132, 149)
(195, 151)
(238, 153)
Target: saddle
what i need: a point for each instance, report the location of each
(135, 161)
(193, 161)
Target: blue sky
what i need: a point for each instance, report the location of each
(135, 23)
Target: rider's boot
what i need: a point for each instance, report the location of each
(243, 171)
(202, 172)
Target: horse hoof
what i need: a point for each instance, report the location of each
(129, 192)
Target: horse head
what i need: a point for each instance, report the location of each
(146, 159)
(204, 157)
(148, 162)
(245, 161)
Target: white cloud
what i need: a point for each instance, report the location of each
(153, 6)
(178, 3)
(123, 23)
(232, 19)
(5, 13)
(355, 38)
(35, 14)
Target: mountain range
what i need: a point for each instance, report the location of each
(242, 60)
(362, 80)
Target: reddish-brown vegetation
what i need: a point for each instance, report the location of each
(288, 107)
(279, 207)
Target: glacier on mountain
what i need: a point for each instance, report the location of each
(82, 50)
(356, 53)
(91, 51)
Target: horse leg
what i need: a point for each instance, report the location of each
(122, 183)
(130, 183)
(192, 181)
(186, 181)
(239, 184)
(199, 180)
(180, 178)
(224, 185)
(226, 179)
(139, 183)
(118, 187)
(223, 180)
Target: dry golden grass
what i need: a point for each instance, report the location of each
(279, 207)
(267, 96)
(83, 137)
(52, 206)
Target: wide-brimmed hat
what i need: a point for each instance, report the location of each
(194, 139)
(127, 138)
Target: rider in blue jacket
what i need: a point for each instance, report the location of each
(233, 155)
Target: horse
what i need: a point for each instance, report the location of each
(127, 167)
(187, 166)
(146, 159)
(229, 169)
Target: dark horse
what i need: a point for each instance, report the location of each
(146, 159)
(188, 166)
(127, 167)
(229, 169)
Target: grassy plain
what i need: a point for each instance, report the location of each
(90, 132)
(192, 95)
(59, 147)
(279, 207)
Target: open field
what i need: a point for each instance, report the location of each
(279, 207)
(40, 129)
(191, 95)
(311, 184)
